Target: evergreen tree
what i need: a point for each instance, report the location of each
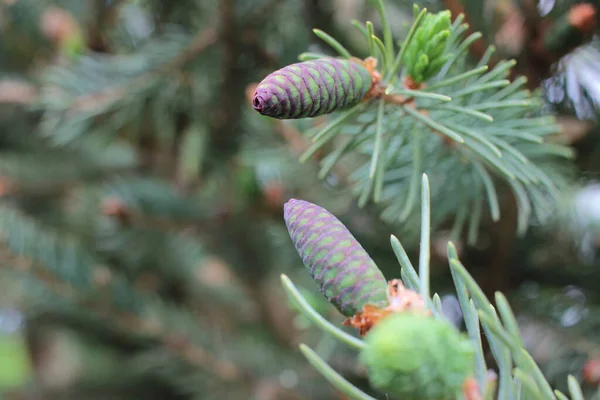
(147, 206)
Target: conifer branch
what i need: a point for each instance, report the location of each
(391, 375)
(473, 129)
(137, 314)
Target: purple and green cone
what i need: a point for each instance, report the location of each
(312, 88)
(345, 273)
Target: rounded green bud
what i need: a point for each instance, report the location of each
(425, 56)
(417, 357)
(16, 370)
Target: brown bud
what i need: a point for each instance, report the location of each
(409, 83)
(114, 207)
(400, 299)
(58, 25)
(591, 371)
(250, 89)
(213, 272)
(273, 193)
(583, 17)
(471, 389)
(6, 186)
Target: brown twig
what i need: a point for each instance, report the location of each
(226, 121)
(115, 207)
(106, 14)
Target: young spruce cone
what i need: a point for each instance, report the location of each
(417, 357)
(312, 88)
(426, 52)
(346, 275)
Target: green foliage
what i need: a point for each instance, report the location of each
(519, 375)
(477, 123)
(141, 195)
(15, 365)
(125, 91)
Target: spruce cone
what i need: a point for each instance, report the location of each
(345, 273)
(312, 88)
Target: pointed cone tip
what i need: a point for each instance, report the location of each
(290, 203)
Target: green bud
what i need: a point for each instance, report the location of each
(436, 46)
(441, 21)
(420, 67)
(15, 368)
(426, 49)
(74, 46)
(417, 357)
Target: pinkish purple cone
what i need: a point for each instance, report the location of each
(312, 88)
(345, 273)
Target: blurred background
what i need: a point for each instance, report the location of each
(141, 229)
